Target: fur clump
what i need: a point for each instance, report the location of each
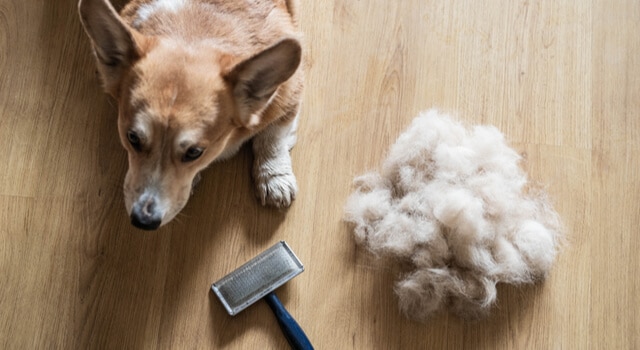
(454, 203)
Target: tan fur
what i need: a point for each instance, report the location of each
(186, 71)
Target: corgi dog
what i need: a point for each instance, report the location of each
(194, 80)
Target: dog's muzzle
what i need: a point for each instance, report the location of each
(145, 216)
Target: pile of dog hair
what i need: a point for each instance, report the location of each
(455, 204)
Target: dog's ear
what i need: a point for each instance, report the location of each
(116, 46)
(256, 79)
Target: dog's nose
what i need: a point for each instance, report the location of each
(145, 218)
(145, 222)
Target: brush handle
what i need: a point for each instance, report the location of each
(292, 331)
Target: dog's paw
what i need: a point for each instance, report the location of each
(277, 190)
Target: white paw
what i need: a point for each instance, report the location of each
(277, 190)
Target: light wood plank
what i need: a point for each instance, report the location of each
(560, 79)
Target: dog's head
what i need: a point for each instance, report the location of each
(179, 106)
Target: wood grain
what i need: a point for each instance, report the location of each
(561, 79)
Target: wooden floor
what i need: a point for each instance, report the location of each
(561, 79)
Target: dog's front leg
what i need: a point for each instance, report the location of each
(272, 172)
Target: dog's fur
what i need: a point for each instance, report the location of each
(199, 76)
(453, 203)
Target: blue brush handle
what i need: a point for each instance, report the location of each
(292, 331)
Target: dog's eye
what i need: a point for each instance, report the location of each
(134, 140)
(193, 153)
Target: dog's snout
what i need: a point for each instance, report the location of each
(145, 216)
